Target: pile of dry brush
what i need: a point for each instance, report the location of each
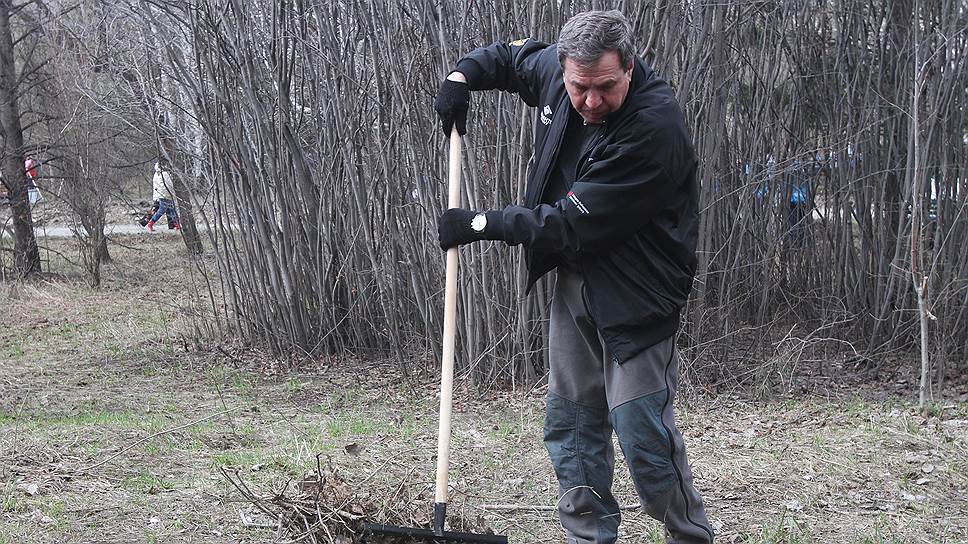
(323, 508)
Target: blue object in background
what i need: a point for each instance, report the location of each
(800, 193)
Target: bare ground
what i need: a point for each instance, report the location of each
(116, 427)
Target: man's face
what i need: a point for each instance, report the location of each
(598, 89)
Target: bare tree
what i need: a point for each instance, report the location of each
(26, 260)
(74, 130)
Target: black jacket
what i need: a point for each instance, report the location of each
(630, 220)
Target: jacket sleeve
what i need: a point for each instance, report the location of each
(167, 185)
(626, 186)
(516, 67)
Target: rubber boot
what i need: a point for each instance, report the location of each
(151, 226)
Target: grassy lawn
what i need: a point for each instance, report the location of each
(115, 426)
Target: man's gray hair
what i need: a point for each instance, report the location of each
(589, 35)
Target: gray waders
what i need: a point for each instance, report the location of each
(589, 395)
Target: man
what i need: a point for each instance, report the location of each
(799, 204)
(612, 204)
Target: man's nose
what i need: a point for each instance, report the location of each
(593, 101)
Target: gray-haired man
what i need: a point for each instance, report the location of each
(611, 202)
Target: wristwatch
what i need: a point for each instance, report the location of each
(478, 223)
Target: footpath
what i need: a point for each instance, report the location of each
(63, 231)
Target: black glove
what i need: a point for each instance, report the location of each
(454, 227)
(451, 104)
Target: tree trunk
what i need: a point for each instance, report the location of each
(102, 252)
(183, 203)
(26, 253)
(917, 179)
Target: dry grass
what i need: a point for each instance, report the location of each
(113, 428)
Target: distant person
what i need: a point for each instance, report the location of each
(162, 194)
(149, 214)
(33, 193)
(798, 205)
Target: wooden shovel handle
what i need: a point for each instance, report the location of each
(450, 330)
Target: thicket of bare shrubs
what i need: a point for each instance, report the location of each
(322, 146)
(309, 125)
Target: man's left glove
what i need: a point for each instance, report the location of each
(452, 102)
(457, 226)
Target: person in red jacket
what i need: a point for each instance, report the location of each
(33, 193)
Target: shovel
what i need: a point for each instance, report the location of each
(438, 534)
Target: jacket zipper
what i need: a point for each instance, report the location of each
(585, 294)
(557, 147)
(598, 140)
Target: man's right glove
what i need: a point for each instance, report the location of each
(453, 100)
(458, 226)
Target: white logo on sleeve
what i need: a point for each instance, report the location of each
(546, 115)
(578, 203)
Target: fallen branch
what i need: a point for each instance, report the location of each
(244, 490)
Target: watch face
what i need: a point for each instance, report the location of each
(479, 222)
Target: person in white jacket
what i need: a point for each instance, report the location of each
(162, 194)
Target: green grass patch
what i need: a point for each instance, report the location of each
(194, 444)
(56, 510)
(90, 419)
(89, 449)
(878, 538)
(294, 386)
(407, 428)
(239, 458)
(349, 424)
(228, 378)
(509, 426)
(65, 331)
(785, 530)
(147, 483)
(10, 502)
(655, 535)
(125, 419)
(13, 351)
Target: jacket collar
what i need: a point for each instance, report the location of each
(641, 72)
